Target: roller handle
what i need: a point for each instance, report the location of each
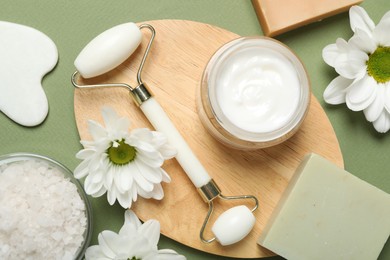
(186, 158)
(108, 50)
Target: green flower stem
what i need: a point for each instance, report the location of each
(378, 64)
(122, 154)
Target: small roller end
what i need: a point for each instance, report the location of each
(233, 225)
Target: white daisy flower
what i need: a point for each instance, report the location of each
(363, 64)
(135, 241)
(124, 164)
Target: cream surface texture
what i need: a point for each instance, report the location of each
(328, 213)
(258, 89)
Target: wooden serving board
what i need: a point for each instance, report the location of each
(173, 72)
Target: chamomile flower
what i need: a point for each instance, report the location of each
(123, 163)
(135, 241)
(363, 65)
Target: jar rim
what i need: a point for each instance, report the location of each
(230, 129)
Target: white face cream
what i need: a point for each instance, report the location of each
(258, 89)
(255, 93)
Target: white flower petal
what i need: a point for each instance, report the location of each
(129, 230)
(81, 170)
(111, 195)
(118, 134)
(150, 174)
(385, 17)
(124, 199)
(118, 244)
(88, 144)
(117, 171)
(158, 192)
(91, 187)
(342, 45)
(142, 249)
(95, 162)
(169, 254)
(85, 153)
(382, 124)
(381, 33)
(95, 253)
(387, 97)
(125, 176)
(336, 90)
(142, 182)
(109, 116)
(151, 231)
(96, 130)
(360, 19)
(361, 94)
(106, 239)
(354, 66)
(332, 51)
(159, 139)
(168, 151)
(122, 124)
(362, 41)
(134, 189)
(143, 134)
(109, 177)
(165, 176)
(154, 160)
(147, 148)
(373, 111)
(97, 176)
(145, 194)
(131, 218)
(99, 192)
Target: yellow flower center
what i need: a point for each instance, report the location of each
(122, 154)
(378, 64)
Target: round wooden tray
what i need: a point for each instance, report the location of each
(173, 72)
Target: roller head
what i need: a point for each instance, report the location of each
(108, 50)
(233, 225)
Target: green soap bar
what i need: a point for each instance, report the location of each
(328, 213)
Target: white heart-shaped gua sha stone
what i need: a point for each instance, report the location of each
(26, 56)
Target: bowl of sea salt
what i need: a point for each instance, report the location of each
(44, 211)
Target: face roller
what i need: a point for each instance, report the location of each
(110, 49)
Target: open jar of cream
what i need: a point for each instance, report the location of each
(254, 93)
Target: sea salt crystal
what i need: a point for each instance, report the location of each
(42, 216)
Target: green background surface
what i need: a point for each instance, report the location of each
(72, 24)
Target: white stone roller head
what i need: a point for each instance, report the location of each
(108, 50)
(233, 225)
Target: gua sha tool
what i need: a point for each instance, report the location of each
(26, 56)
(110, 49)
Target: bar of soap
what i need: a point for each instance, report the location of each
(279, 16)
(328, 213)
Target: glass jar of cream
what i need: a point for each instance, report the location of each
(254, 93)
